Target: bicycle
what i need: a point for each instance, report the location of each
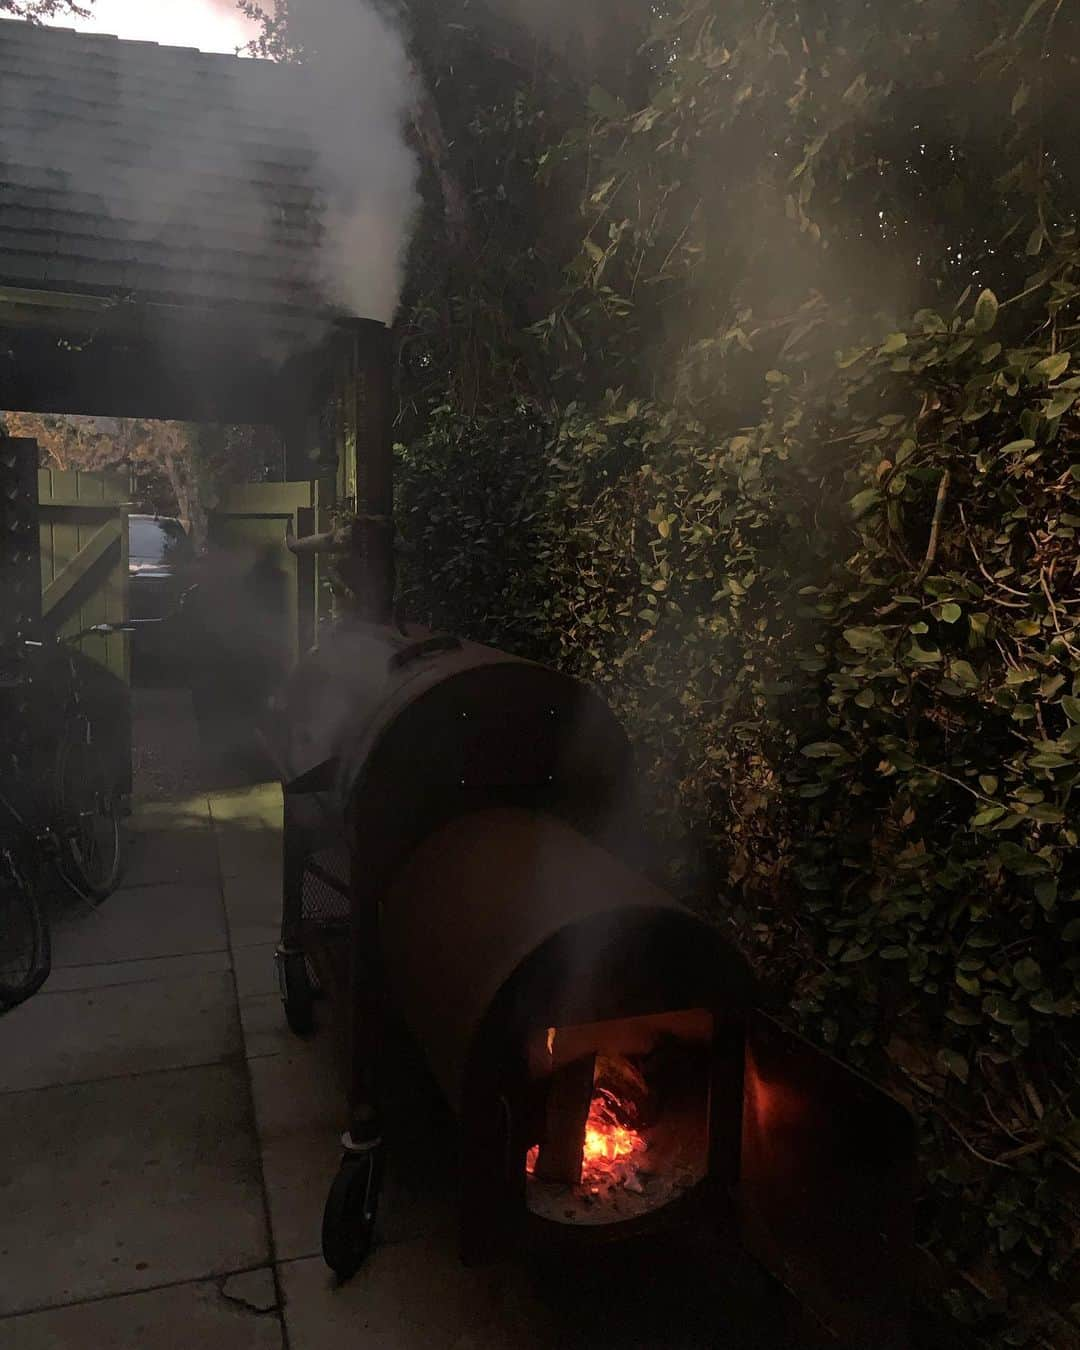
(78, 832)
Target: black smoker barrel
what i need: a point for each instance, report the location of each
(473, 818)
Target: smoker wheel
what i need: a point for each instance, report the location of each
(297, 995)
(348, 1229)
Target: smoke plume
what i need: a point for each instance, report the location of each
(159, 173)
(353, 106)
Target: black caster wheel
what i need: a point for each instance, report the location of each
(348, 1228)
(297, 995)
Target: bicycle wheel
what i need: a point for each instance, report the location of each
(88, 815)
(25, 946)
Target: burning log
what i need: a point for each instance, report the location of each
(569, 1098)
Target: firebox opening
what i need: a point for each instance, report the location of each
(619, 1120)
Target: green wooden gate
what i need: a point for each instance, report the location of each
(248, 527)
(84, 560)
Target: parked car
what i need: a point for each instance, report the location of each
(160, 562)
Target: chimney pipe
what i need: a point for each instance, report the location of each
(365, 376)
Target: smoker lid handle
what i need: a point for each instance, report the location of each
(415, 651)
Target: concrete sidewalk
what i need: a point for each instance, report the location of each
(166, 1146)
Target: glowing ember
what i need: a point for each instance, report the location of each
(611, 1150)
(608, 1142)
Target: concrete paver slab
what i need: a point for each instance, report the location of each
(118, 1030)
(265, 1029)
(154, 856)
(254, 856)
(142, 922)
(414, 1296)
(104, 976)
(181, 814)
(300, 1114)
(111, 1187)
(253, 906)
(180, 1318)
(256, 974)
(256, 1289)
(257, 804)
(300, 1110)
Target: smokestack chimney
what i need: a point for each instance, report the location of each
(364, 363)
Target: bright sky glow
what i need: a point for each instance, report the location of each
(210, 25)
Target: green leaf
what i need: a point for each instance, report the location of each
(1028, 974)
(963, 1017)
(1071, 707)
(1047, 761)
(1052, 367)
(989, 783)
(986, 311)
(1002, 1010)
(864, 639)
(987, 816)
(1020, 862)
(1017, 447)
(955, 1063)
(823, 750)
(949, 613)
(893, 953)
(864, 501)
(922, 655)
(895, 342)
(963, 672)
(1059, 404)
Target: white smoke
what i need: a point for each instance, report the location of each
(353, 106)
(200, 164)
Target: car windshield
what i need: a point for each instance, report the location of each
(155, 540)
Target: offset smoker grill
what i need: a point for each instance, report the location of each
(460, 835)
(462, 841)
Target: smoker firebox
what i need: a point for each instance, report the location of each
(598, 1042)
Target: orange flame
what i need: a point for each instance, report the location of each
(607, 1141)
(610, 1148)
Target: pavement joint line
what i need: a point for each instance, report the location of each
(213, 1278)
(132, 984)
(224, 1062)
(253, 1116)
(138, 960)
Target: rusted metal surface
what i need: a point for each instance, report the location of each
(513, 919)
(827, 1186)
(400, 732)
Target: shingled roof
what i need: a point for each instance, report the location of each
(157, 173)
